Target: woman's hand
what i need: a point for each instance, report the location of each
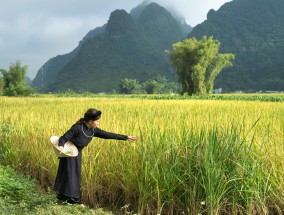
(131, 138)
(60, 148)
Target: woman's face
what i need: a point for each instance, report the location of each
(94, 123)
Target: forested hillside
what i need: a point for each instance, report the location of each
(254, 31)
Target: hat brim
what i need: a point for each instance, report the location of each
(69, 149)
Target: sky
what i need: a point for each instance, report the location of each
(33, 31)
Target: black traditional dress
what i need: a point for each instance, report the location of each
(68, 179)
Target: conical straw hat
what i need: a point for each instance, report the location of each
(69, 149)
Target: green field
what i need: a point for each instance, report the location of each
(193, 156)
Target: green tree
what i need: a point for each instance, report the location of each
(14, 81)
(160, 85)
(156, 85)
(131, 86)
(198, 62)
(150, 86)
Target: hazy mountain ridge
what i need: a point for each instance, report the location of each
(136, 12)
(159, 26)
(123, 48)
(48, 73)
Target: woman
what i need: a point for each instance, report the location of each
(68, 179)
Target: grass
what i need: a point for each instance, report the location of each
(192, 156)
(20, 194)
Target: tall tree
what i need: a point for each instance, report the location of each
(198, 62)
(14, 80)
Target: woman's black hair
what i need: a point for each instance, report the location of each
(91, 114)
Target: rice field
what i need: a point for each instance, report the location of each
(191, 157)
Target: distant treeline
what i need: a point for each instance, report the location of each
(233, 97)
